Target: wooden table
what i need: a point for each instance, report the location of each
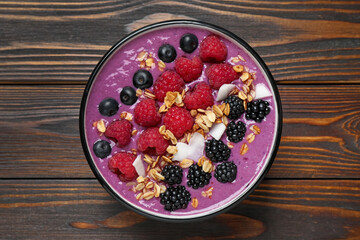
(47, 52)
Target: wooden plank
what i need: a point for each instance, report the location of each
(39, 134)
(81, 209)
(61, 42)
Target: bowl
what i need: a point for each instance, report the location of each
(252, 156)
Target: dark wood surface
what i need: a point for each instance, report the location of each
(47, 52)
(278, 209)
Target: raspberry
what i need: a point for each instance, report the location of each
(152, 142)
(178, 121)
(219, 74)
(121, 164)
(146, 113)
(212, 49)
(189, 69)
(200, 97)
(120, 132)
(168, 81)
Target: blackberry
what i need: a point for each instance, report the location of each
(217, 151)
(236, 131)
(226, 172)
(236, 106)
(197, 178)
(175, 198)
(173, 174)
(257, 110)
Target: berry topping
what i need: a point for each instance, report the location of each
(199, 97)
(167, 53)
(257, 110)
(178, 121)
(219, 74)
(175, 198)
(142, 79)
(217, 130)
(224, 91)
(188, 69)
(120, 132)
(152, 142)
(235, 131)
(146, 113)
(197, 178)
(121, 164)
(236, 106)
(128, 96)
(169, 81)
(188, 42)
(212, 49)
(173, 174)
(108, 107)
(102, 149)
(217, 151)
(225, 172)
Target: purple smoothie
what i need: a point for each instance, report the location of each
(117, 73)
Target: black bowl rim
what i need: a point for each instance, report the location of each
(162, 24)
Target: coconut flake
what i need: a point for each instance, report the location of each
(182, 153)
(139, 166)
(197, 145)
(217, 130)
(224, 91)
(194, 150)
(262, 91)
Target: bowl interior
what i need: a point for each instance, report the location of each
(115, 71)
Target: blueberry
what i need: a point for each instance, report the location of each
(108, 107)
(167, 53)
(128, 96)
(142, 79)
(188, 43)
(102, 149)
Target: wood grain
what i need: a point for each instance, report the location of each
(39, 135)
(61, 42)
(47, 52)
(56, 209)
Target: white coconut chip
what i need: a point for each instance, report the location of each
(224, 91)
(262, 91)
(197, 144)
(139, 166)
(194, 150)
(182, 153)
(217, 130)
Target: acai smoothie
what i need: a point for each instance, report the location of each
(180, 121)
